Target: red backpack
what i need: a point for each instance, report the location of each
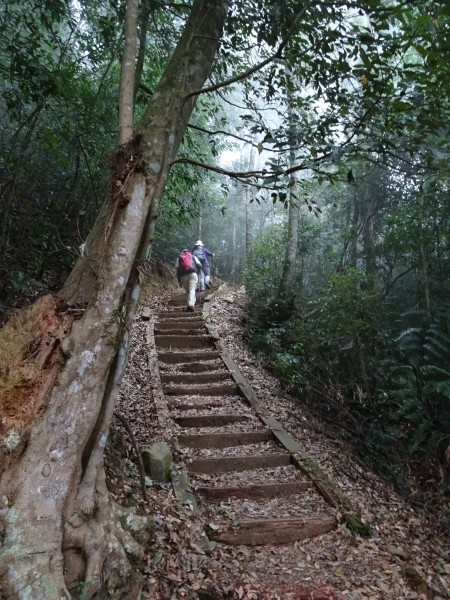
(186, 263)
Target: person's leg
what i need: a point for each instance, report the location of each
(184, 280)
(201, 280)
(192, 283)
(207, 275)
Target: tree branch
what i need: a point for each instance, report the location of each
(228, 134)
(260, 65)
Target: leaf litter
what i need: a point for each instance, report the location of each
(405, 559)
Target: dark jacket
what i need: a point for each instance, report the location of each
(206, 253)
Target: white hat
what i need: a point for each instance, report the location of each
(198, 243)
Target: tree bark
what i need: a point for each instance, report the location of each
(248, 207)
(286, 294)
(288, 273)
(143, 28)
(56, 510)
(127, 74)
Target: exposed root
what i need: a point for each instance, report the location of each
(138, 453)
(102, 551)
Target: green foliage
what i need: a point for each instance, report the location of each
(263, 269)
(417, 381)
(355, 524)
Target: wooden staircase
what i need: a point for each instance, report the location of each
(249, 479)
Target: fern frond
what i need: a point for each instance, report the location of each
(414, 312)
(437, 349)
(425, 437)
(436, 372)
(408, 334)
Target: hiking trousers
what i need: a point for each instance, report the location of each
(189, 282)
(201, 280)
(206, 276)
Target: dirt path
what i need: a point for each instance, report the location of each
(402, 559)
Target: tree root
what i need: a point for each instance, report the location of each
(138, 453)
(101, 551)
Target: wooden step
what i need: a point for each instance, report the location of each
(174, 358)
(257, 532)
(197, 405)
(224, 440)
(183, 341)
(210, 420)
(224, 389)
(255, 492)
(228, 464)
(198, 378)
(179, 314)
(174, 325)
(181, 299)
(180, 330)
(199, 367)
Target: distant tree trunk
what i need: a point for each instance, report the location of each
(59, 523)
(199, 227)
(354, 232)
(289, 264)
(248, 206)
(367, 239)
(424, 267)
(425, 278)
(286, 296)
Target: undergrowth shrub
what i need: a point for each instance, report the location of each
(387, 389)
(416, 381)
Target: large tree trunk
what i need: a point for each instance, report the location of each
(56, 508)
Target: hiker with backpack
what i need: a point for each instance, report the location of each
(187, 267)
(202, 253)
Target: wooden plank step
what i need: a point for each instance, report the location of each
(181, 299)
(224, 440)
(198, 367)
(255, 492)
(180, 330)
(257, 532)
(183, 341)
(198, 378)
(179, 314)
(210, 420)
(293, 592)
(175, 324)
(224, 389)
(174, 358)
(197, 405)
(228, 464)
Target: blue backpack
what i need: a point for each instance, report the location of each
(198, 252)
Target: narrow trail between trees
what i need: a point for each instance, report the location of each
(251, 513)
(234, 451)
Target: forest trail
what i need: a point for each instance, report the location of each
(234, 451)
(243, 520)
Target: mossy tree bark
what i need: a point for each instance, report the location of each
(59, 523)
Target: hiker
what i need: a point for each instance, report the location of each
(187, 267)
(202, 253)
